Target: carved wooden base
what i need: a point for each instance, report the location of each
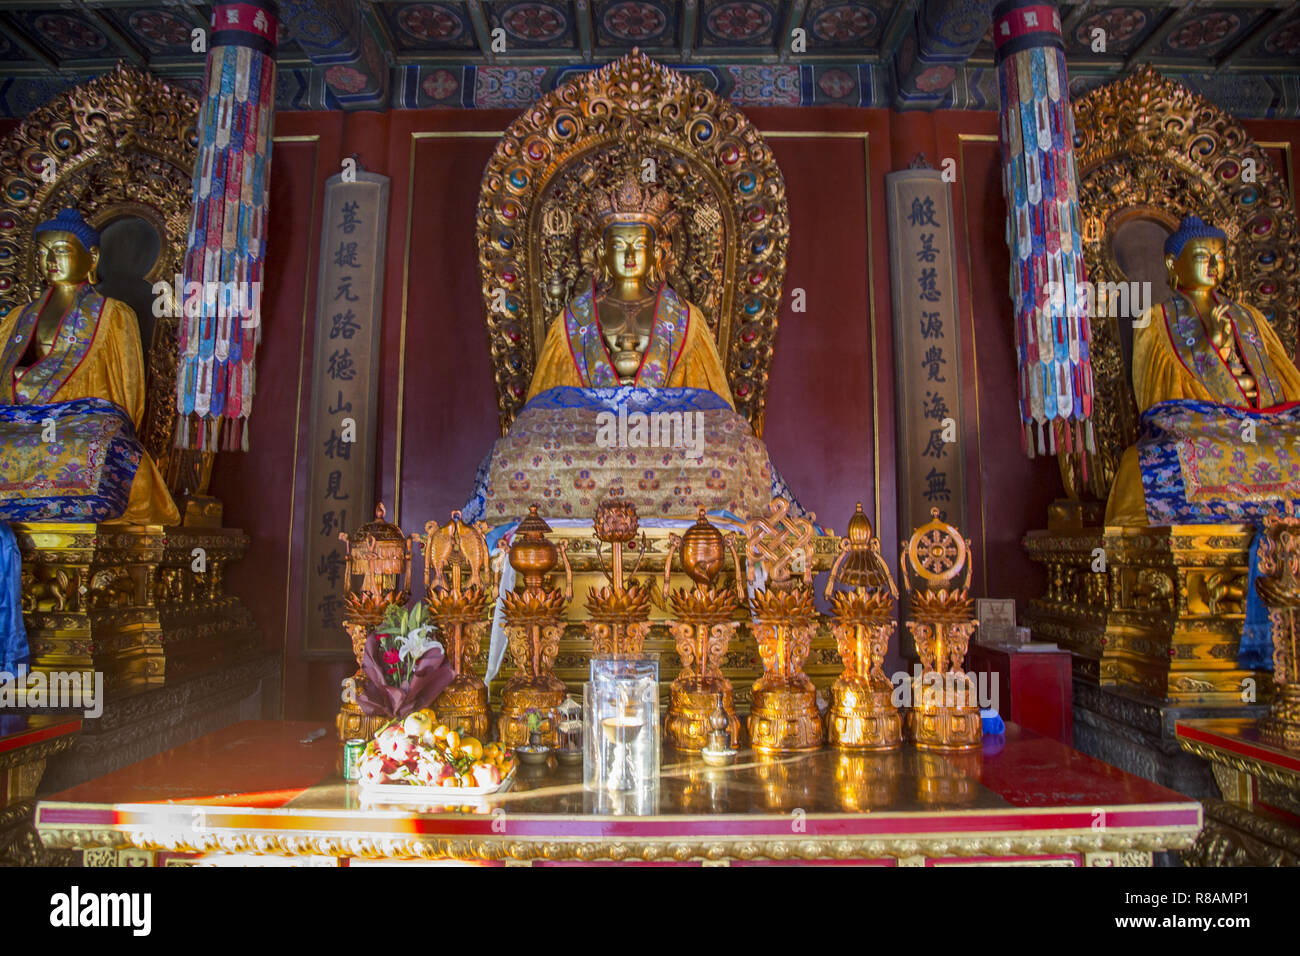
(139, 603)
(945, 728)
(1156, 610)
(352, 722)
(543, 694)
(692, 702)
(1233, 836)
(862, 719)
(463, 707)
(783, 718)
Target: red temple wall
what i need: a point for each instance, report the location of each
(437, 400)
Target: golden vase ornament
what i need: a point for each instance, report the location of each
(702, 629)
(534, 614)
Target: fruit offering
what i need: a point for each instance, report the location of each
(414, 751)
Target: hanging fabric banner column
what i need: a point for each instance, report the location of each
(1047, 271)
(220, 323)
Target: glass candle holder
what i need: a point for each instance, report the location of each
(621, 724)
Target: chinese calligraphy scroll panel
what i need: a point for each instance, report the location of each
(927, 344)
(345, 380)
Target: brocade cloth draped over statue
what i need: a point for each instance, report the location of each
(670, 451)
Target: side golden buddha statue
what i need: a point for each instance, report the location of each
(630, 327)
(71, 363)
(1210, 354)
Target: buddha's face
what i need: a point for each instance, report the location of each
(629, 249)
(62, 259)
(1200, 265)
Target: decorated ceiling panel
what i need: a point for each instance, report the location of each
(365, 54)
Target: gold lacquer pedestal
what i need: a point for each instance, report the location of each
(783, 714)
(460, 612)
(702, 630)
(1279, 587)
(945, 711)
(862, 715)
(620, 613)
(380, 554)
(534, 622)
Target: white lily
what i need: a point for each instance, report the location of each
(416, 643)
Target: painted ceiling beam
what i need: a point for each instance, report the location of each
(690, 16)
(333, 33)
(793, 20)
(482, 32)
(944, 35)
(20, 40)
(1157, 36)
(1265, 24)
(582, 9)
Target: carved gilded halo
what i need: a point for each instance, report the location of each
(1148, 148)
(726, 251)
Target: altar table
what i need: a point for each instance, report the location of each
(1257, 823)
(257, 788)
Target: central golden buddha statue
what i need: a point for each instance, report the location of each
(629, 396)
(1204, 351)
(630, 327)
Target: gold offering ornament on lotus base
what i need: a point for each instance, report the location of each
(945, 712)
(620, 612)
(783, 714)
(702, 630)
(862, 715)
(460, 610)
(534, 614)
(380, 555)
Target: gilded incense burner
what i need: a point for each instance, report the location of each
(702, 629)
(380, 555)
(783, 714)
(534, 621)
(1279, 586)
(945, 711)
(620, 613)
(460, 611)
(862, 714)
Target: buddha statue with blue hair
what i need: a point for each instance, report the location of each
(1219, 436)
(72, 394)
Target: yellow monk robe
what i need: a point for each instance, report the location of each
(111, 368)
(1173, 358)
(681, 352)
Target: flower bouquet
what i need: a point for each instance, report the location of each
(412, 753)
(404, 668)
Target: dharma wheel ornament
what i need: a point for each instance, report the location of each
(702, 630)
(380, 555)
(783, 715)
(1279, 587)
(534, 614)
(620, 613)
(460, 611)
(862, 714)
(945, 711)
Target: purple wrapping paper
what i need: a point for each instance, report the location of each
(433, 673)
